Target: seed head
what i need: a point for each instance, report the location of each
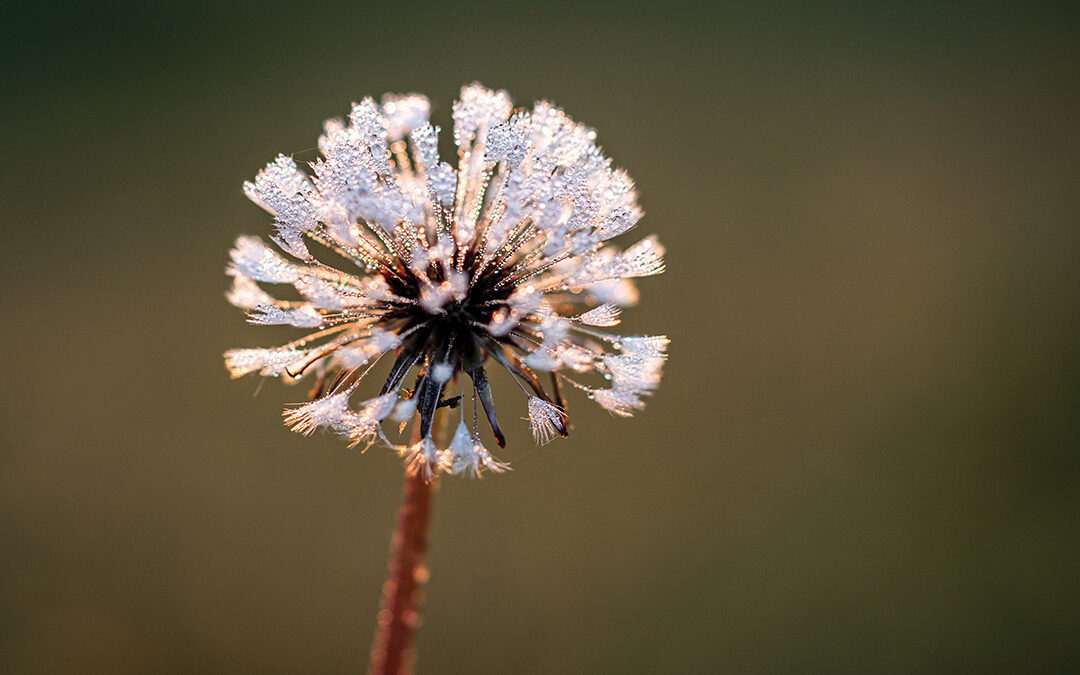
(502, 260)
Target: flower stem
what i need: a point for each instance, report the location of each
(399, 611)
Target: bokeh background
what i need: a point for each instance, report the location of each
(863, 457)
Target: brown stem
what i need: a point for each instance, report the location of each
(399, 610)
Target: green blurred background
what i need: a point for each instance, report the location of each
(864, 454)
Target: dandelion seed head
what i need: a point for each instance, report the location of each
(434, 272)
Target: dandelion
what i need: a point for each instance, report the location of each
(439, 272)
(502, 260)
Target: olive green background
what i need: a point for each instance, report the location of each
(863, 456)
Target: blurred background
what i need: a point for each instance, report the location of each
(864, 454)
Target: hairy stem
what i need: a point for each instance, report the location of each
(399, 611)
